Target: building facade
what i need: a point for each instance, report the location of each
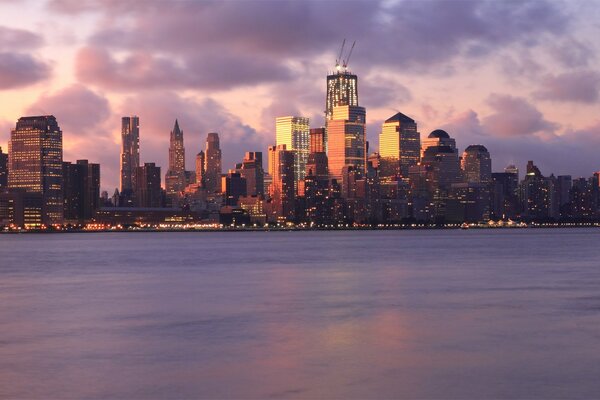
(399, 146)
(212, 168)
(293, 132)
(130, 153)
(346, 140)
(175, 178)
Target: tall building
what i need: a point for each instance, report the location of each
(346, 140)
(399, 145)
(438, 137)
(293, 132)
(130, 153)
(3, 169)
(317, 140)
(81, 190)
(148, 192)
(234, 186)
(476, 164)
(212, 168)
(281, 169)
(342, 90)
(200, 171)
(35, 163)
(252, 170)
(175, 178)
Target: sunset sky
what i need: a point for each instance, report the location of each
(521, 78)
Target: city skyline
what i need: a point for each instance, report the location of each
(463, 67)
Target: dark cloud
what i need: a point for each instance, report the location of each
(572, 53)
(17, 70)
(514, 116)
(18, 39)
(577, 86)
(77, 109)
(142, 70)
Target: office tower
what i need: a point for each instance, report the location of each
(293, 132)
(468, 202)
(200, 171)
(148, 191)
(21, 208)
(438, 137)
(3, 169)
(130, 153)
(346, 140)
(281, 169)
(252, 170)
(535, 194)
(234, 186)
(342, 90)
(445, 166)
(212, 168)
(35, 163)
(476, 164)
(399, 146)
(316, 140)
(511, 169)
(81, 182)
(175, 178)
(504, 195)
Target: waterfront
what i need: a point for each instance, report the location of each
(324, 314)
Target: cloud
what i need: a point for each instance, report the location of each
(18, 39)
(572, 53)
(17, 70)
(77, 109)
(577, 86)
(514, 116)
(143, 70)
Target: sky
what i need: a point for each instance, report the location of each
(520, 77)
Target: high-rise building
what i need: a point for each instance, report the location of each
(234, 186)
(317, 140)
(130, 153)
(293, 132)
(200, 171)
(399, 146)
(438, 137)
(281, 169)
(35, 162)
(444, 166)
(148, 192)
(3, 169)
(212, 168)
(342, 90)
(81, 190)
(175, 178)
(476, 164)
(252, 170)
(346, 140)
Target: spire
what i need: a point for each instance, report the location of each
(176, 133)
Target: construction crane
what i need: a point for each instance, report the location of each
(345, 62)
(339, 59)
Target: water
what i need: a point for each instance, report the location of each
(370, 314)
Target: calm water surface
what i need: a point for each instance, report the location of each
(374, 314)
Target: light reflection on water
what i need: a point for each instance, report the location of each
(371, 314)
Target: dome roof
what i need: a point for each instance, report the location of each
(439, 134)
(477, 148)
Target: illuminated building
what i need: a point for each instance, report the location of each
(148, 191)
(35, 163)
(399, 146)
(293, 132)
(81, 182)
(175, 178)
(130, 153)
(212, 168)
(200, 171)
(535, 194)
(504, 195)
(346, 140)
(476, 164)
(342, 90)
(281, 169)
(468, 202)
(234, 186)
(3, 169)
(21, 208)
(317, 140)
(251, 169)
(445, 166)
(438, 137)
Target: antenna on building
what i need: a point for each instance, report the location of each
(339, 59)
(348, 56)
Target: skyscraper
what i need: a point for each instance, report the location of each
(342, 90)
(399, 145)
(251, 169)
(35, 162)
(293, 132)
(281, 168)
(3, 169)
(175, 179)
(212, 178)
(317, 140)
(148, 192)
(346, 136)
(438, 137)
(476, 164)
(130, 153)
(200, 171)
(81, 190)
